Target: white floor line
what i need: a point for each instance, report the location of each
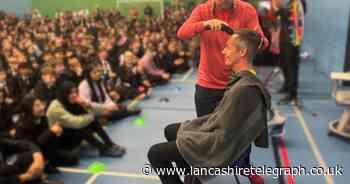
(185, 81)
(131, 175)
(313, 144)
(187, 75)
(92, 179)
(73, 170)
(108, 173)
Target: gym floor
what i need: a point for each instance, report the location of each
(305, 141)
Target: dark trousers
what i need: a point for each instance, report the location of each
(289, 63)
(89, 135)
(51, 147)
(71, 138)
(156, 80)
(162, 155)
(120, 114)
(127, 93)
(206, 100)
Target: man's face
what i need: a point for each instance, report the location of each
(231, 52)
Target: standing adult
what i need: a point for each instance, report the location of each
(291, 13)
(206, 21)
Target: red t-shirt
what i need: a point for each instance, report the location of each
(213, 73)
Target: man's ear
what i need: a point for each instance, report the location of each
(243, 52)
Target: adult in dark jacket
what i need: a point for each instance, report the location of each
(224, 136)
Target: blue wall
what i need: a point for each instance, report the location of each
(20, 7)
(326, 27)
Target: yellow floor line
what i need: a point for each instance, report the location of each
(313, 144)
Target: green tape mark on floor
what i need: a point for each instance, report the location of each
(139, 121)
(97, 167)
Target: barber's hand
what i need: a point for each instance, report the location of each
(56, 129)
(214, 24)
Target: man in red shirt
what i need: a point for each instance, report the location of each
(206, 21)
(213, 73)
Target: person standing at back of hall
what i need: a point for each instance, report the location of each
(291, 15)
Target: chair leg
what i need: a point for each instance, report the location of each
(237, 180)
(191, 180)
(344, 121)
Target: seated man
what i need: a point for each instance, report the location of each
(224, 136)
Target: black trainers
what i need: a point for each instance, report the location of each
(113, 151)
(118, 147)
(288, 100)
(134, 111)
(283, 90)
